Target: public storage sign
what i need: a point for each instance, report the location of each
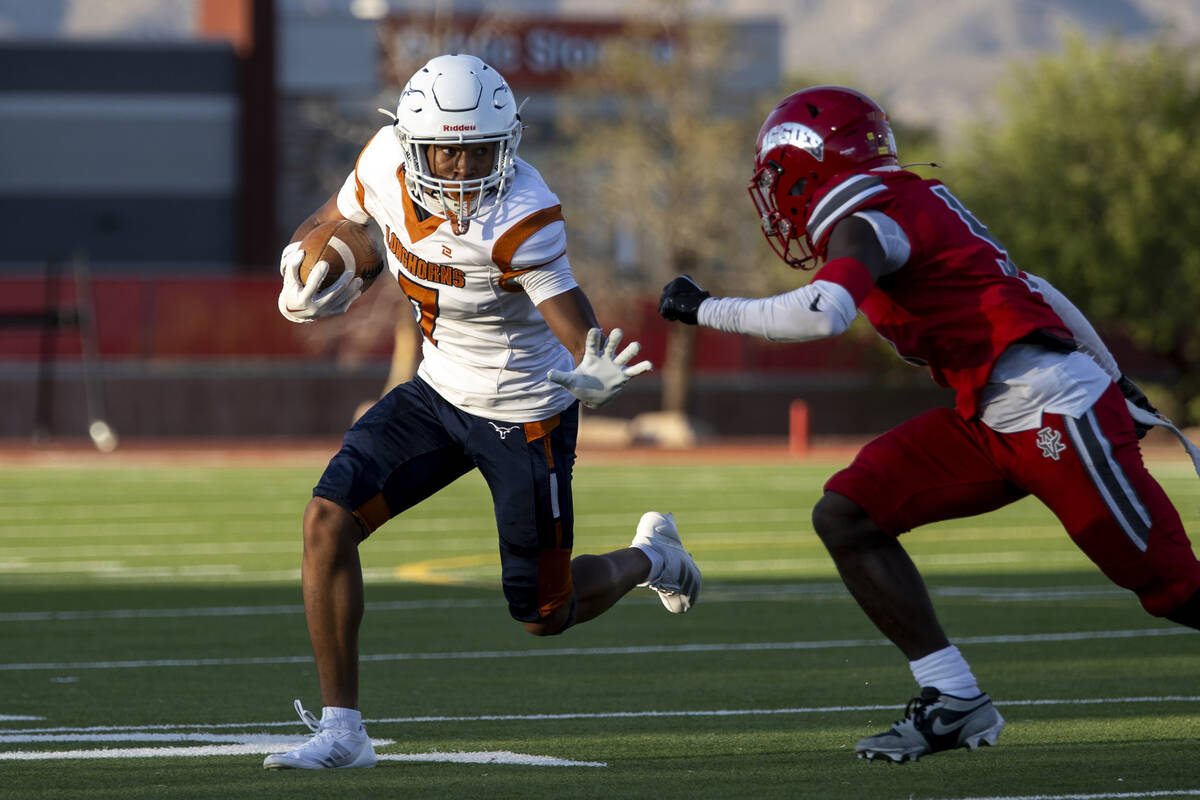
(531, 53)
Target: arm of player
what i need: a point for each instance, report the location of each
(1090, 343)
(1145, 415)
(601, 372)
(1084, 334)
(330, 211)
(823, 308)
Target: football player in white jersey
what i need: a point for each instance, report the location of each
(511, 346)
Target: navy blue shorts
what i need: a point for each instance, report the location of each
(413, 443)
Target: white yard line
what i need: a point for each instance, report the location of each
(229, 611)
(469, 655)
(251, 741)
(484, 571)
(1101, 796)
(487, 757)
(714, 594)
(200, 732)
(490, 757)
(234, 744)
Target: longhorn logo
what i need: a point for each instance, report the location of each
(505, 431)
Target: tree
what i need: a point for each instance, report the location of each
(658, 154)
(1090, 180)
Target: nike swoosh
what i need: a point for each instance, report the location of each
(941, 730)
(815, 305)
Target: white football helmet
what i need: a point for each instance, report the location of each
(457, 99)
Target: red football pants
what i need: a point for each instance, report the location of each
(1088, 471)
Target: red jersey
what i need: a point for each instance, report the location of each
(958, 301)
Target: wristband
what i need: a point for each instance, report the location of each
(850, 274)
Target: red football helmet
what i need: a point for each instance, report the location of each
(808, 138)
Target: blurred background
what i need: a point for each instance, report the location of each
(155, 156)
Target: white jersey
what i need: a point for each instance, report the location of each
(486, 348)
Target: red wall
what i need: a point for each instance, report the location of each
(155, 317)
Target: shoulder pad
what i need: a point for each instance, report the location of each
(840, 199)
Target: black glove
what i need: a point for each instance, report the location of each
(681, 299)
(1136, 396)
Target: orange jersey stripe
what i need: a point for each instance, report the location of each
(417, 228)
(360, 194)
(506, 246)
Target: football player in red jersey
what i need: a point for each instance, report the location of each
(1041, 406)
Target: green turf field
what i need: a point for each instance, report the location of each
(152, 642)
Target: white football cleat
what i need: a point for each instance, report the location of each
(678, 584)
(329, 747)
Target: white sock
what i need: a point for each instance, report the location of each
(946, 670)
(349, 719)
(656, 562)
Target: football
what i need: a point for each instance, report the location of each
(345, 245)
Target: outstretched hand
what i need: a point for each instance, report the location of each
(602, 373)
(681, 299)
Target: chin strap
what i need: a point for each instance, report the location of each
(1146, 418)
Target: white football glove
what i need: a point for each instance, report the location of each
(300, 302)
(600, 375)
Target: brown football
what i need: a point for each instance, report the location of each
(345, 245)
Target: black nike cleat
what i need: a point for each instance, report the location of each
(935, 722)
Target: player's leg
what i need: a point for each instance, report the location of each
(331, 578)
(600, 581)
(528, 468)
(880, 576)
(924, 470)
(927, 469)
(1113, 509)
(393, 457)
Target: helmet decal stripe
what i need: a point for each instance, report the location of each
(841, 201)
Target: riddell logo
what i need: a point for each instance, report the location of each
(458, 127)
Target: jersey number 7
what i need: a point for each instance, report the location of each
(425, 304)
